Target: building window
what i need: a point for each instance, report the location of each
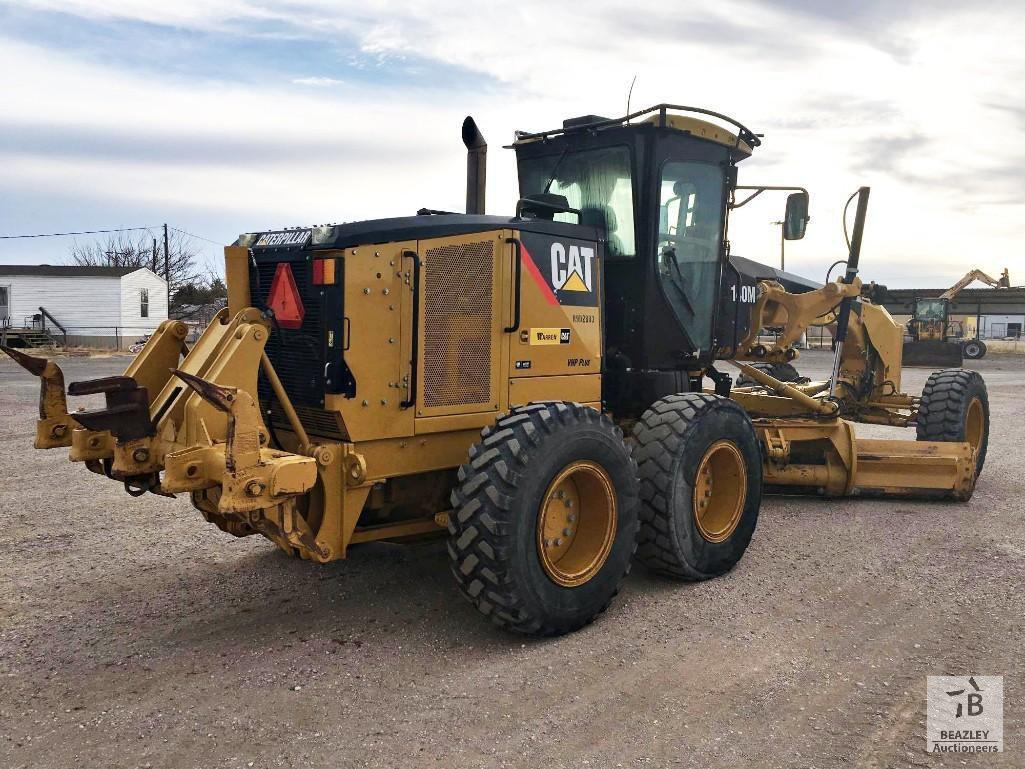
(144, 302)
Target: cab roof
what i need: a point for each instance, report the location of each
(672, 116)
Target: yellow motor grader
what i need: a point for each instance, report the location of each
(473, 376)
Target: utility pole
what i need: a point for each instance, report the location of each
(167, 263)
(154, 254)
(782, 244)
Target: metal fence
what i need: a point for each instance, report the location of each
(89, 337)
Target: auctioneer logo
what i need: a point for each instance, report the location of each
(965, 714)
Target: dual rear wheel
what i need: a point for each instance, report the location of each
(701, 480)
(552, 506)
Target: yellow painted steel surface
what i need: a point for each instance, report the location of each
(576, 524)
(585, 388)
(720, 491)
(379, 307)
(825, 457)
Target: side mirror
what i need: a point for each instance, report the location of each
(795, 220)
(544, 205)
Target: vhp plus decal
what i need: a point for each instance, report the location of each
(565, 269)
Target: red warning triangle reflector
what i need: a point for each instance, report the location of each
(284, 298)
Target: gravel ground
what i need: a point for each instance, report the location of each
(134, 634)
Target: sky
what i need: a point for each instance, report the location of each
(227, 117)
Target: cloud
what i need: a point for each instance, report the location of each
(317, 82)
(315, 110)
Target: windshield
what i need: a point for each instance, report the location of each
(689, 242)
(930, 309)
(596, 182)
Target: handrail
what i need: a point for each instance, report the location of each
(46, 314)
(414, 363)
(517, 280)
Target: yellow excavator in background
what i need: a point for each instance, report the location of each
(932, 339)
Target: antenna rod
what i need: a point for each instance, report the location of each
(630, 94)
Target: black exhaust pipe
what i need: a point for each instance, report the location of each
(476, 166)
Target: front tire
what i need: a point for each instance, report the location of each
(955, 408)
(701, 485)
(974, 349)
(544, 524)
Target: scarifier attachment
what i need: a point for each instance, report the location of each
(126, 416)
(258, 485)
(123, 432)
(55, 425)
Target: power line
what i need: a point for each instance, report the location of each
(83, 232)
(200, 237)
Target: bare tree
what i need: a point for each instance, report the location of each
(124, 250)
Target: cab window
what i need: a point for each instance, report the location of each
(596, 182)
(931, 309)
(690, 242)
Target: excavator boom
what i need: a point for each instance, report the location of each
(951, 293)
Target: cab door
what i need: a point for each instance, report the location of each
(689, 243)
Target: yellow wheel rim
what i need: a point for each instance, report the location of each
(576, 524)
(975, 424)
(720, 491)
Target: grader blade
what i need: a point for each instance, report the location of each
(826, 458)
(55, 425)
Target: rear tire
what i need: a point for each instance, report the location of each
(974, 349)
(955, 409)
(544, 524)
(701, 485)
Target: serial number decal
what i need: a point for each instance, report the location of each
(289, 238)
(584, 319)
(547, 336)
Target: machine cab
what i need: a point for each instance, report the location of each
(657, 185)
(930, 319)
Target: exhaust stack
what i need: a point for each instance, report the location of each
(476, 166)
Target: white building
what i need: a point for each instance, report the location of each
(94, 306)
